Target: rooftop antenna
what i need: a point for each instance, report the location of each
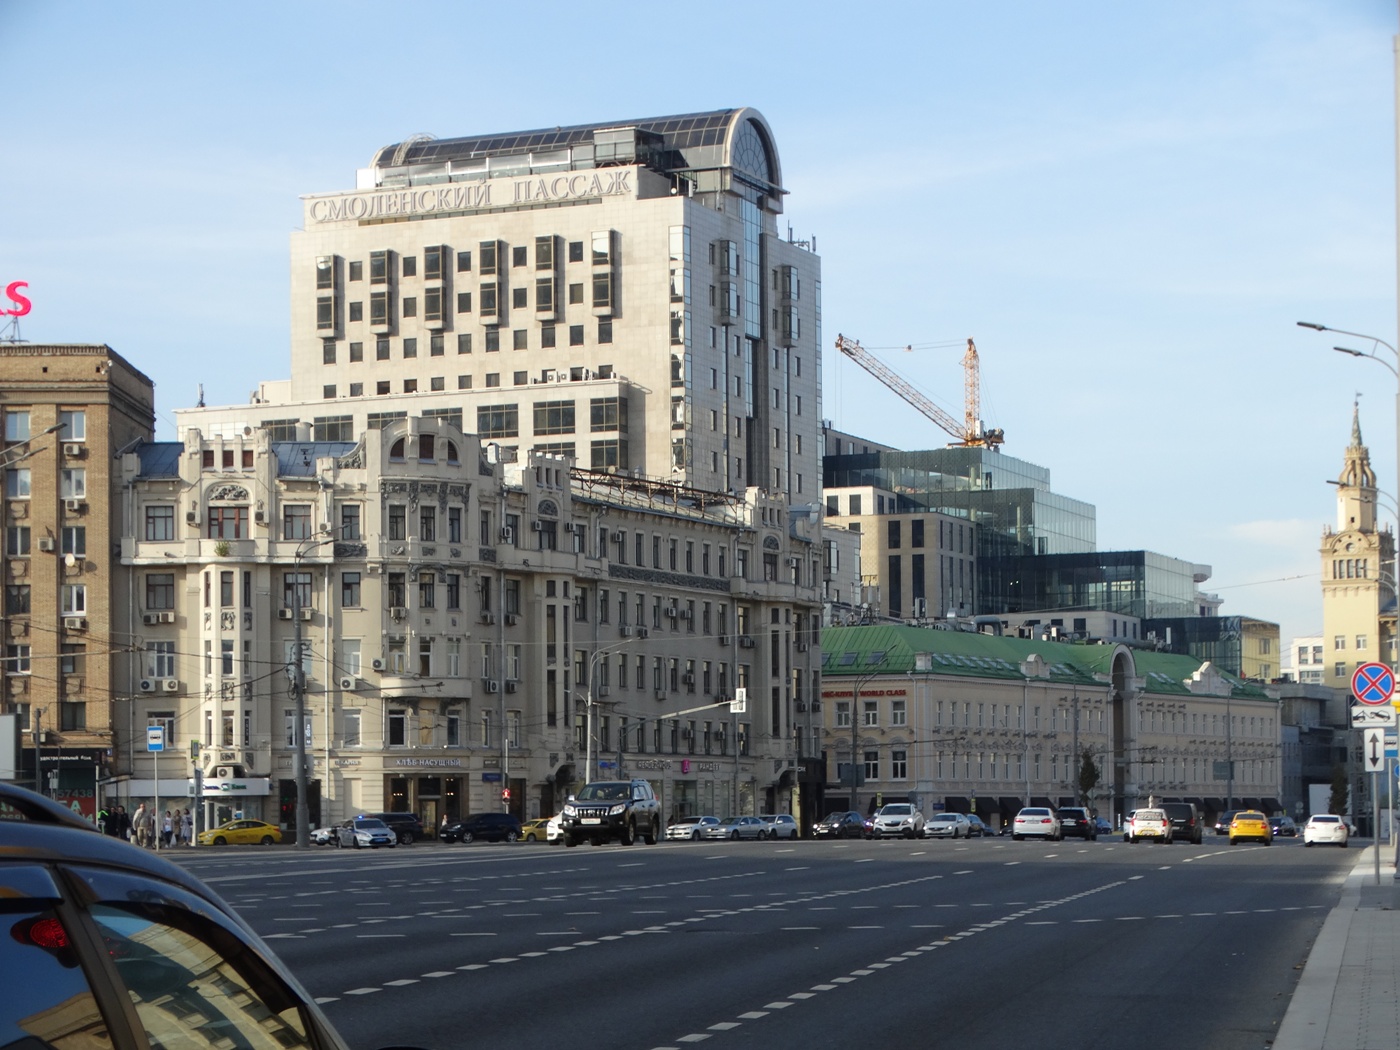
(200, 402)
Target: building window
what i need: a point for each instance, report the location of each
(350, 590)
(899, 765)
(72, 483)
(398, 521)
(72, 426)
(17, 483)
(160, 521)
(160, 590)
(16, 425)
(74, 599)
(296, 521)
(227, 523)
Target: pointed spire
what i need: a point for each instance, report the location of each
(1356, 441)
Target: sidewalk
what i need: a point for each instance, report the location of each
(1349, 995)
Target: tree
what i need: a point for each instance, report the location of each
(1338, 802)
(1089, 777)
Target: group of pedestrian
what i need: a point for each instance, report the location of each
(147, 829)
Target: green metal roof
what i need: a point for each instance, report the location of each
(854, 651)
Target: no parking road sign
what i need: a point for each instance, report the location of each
(1373, 684)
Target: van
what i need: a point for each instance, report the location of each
(1186, 821)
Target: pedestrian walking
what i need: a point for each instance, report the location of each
(186, 828)
(119, 823)
(167, 830)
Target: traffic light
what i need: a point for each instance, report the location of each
(505, 794)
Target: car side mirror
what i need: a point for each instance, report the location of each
(571, 798)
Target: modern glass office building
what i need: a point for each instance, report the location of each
(1129, 583)
(1007, 499)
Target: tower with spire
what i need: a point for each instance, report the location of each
(1358, 571)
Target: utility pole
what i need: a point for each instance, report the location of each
(303, 815)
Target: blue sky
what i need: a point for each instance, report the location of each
(1128, 206)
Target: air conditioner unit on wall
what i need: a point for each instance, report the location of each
(347, 682)
(492, 687)
(74, 623)
(46, 543)
(73, 506)
(223, 772)
(511, 685)
(148, 685)
(536, 526)
(377, 664)
(284, 613)
(72, 449)
(171, 685)
(624, 630)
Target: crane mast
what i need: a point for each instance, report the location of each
(971, 431)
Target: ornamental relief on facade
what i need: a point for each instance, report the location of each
(228, 494)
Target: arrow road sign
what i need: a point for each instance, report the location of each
(1373, 683)
(1373, 751)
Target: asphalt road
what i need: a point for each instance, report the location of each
(988, 943)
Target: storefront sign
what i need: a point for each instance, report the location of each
(347, 762)
(468, 196)
(234, 786)
(21, 303)
(845, 694)
(651, 763)
(429, 763)
(491, 778)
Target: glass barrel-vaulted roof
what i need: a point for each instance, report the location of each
(738, 139)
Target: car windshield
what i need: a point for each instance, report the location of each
(370, 824)
(604, 792)
(896, 811)
(947, 818)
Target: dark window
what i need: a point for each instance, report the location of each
(575, 335)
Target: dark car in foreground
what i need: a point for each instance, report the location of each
(1283, 826)
(107, 945)
(405, 826)
(842, 825)
(1075, 820)
(483, 827)
(1187, 825)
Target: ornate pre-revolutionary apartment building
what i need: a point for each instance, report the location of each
(618, 293)
(466, 626)
(1358, 572)
(68, 410)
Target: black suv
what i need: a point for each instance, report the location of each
(103, 943)
(611, 809)
(1186, 821)
(1074, 820)
(489, 827)
(406, 826)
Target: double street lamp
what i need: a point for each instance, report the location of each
(297, 672)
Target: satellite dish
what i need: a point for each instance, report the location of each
(69, 560)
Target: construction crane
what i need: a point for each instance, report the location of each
(971, 431)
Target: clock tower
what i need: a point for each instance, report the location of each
(1358, 572)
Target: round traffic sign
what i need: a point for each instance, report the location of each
(1373, 684)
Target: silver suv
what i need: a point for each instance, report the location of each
(899, 820)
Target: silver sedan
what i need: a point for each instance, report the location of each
(737, 828)
(781, 825)
(688, 829)
(947, 826)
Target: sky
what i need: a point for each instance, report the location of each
(1127, 206)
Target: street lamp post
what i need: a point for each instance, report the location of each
(298, 677)
(589, 702)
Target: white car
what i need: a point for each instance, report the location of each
(323, 836)
(553, 835)
(1036, 822)
(898, 819)
(948, 826)
(689, 829)
(780, 825)
(1326, 828)
(1148, 824)
(365, 833)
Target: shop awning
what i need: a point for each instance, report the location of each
(1215, 805)
(985, 806)
(1273, 805)
(1252, 803)
(1009, 806)
(1041, 800)
(1066, 800)
(956, 804)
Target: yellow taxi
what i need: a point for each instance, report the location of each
(1250, 824)
(241, 832)
(534, 830)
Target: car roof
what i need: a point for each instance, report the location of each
(39, 830)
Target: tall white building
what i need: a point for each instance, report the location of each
(615, 292)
